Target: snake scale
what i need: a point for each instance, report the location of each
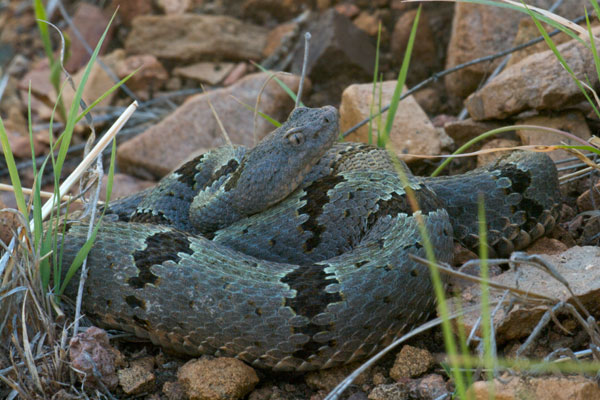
(293, 255)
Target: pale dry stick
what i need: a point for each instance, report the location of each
(212, 109)
(87, 161)
(304, 63)
(65, 197)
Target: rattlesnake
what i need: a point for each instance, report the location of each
(294, 255)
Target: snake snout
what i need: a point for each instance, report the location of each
(330, 115)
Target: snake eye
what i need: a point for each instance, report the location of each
(295, 137)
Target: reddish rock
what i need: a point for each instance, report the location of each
(91, 22)
(369, 23)
(589, 200)
(130, 9)
(136, 380)
(9, 223)
(463, 131)
(276, 36)
(184, 37)
(124, 185)
(538, 82)
(348, 10)
(480, 30)
(192, 128)
(237, 73)
(151, 74)
(206, 72)
(91, 354)
(327, 379)
(547, 246)
(174, 6)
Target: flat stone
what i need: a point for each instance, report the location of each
(150, 77)
(538, 82)
(192, 128)
(527, 31)
(130, 9)
(589, 200)
(412, 132)
(572, 122)
(184, 37)
(90, 21)
(218, 379)
(480, 30)
(276, 36)
(175, 6)
(580, 266)
(124, 185)
(207, 72)
(550, 387)
(136, 380)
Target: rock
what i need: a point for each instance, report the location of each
(174, 391)
(570, 121)
(527, 31)
(9, 223)
(207, 72)
(184, 37)
(486, 158)
(411, 362)
(538, 82)
(174, 6)
(193, 128)
(392, 391)
(220, 378)
(429, 100)
(130, 9)
(463, 131)
(555, 388)
(237, 73)
(348, 10)
(136, 380)
(150, 77)
(90, 351)
(265, 10)
(412, 132)
(276, 36)
(98, 81)
(327, 379)
(580, 266)
(340, 53)
(424, 58)
(547, 246)
(15, 127)
(591, 232)
(369, 23)
(91, 22)
(124, 185)
(430, 387)
(479, 30)
(588, 202)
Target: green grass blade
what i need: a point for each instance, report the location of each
(13, 171)
(40, 15)
(486, 319)
(594, 50)
(375, 75)
(266, 117)
(391, 114)
(72, 116)
(105, 95)
(78, 260)
(561, 59)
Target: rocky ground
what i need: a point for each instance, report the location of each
(183, 44)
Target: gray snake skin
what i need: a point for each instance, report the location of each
(293, 255)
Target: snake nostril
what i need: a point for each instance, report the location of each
(326, 119)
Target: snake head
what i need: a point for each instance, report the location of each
(278, 164)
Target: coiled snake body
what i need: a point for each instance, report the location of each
(294, 255)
